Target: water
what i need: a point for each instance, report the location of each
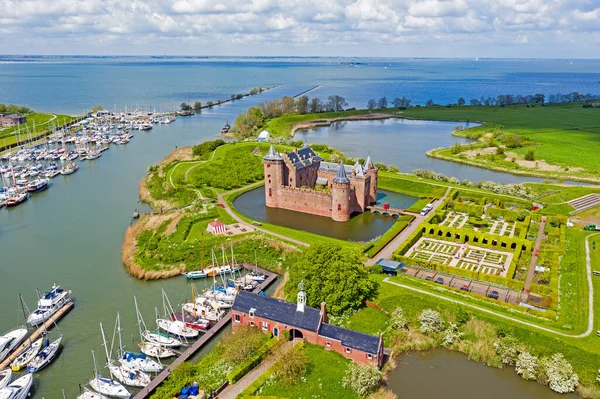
(72, 233)
(361, 227)
(73, 85)
(403, 143)
(442, 374)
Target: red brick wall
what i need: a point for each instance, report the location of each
(304, 200)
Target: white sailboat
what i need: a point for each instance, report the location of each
(89, 394)
(106, 386)
(135, 361)
(174, 327)
(150, 348)
(134, 378)
(27, 355)
(46, 356)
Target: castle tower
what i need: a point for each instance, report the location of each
(372, 171)
(273, 176)
(340, 193)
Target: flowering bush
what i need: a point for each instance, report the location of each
(398, 320)
(362, 378)
(526, 365)
(430, 321)
(451, 334)
(507, 348)
(561, 377)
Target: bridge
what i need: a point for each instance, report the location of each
(395, 212)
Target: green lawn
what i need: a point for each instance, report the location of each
(369, 321)
(409, 184)
(42, 122)
(323, 378)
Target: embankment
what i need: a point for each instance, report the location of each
(327, 122)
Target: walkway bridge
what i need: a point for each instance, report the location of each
(395, 212)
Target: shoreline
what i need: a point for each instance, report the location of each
(329, 121)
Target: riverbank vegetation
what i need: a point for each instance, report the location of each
(38, 125)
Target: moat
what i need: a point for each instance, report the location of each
(361, 227)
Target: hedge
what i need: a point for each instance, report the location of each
(470, 209)
(475, 234)
(259, 382)
(252, 361)
(398, 227)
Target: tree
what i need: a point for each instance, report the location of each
(209, 104)
(197, 106)
(539, 98)
(383, 103)
(398, 320)
(429, 103)
(401, 103)
(248, 122)
(302, 105)
(530, 155)
(97, 108)
(185, 107)
(461, 101)
(241, 344)
(291, 367)
(316, 105)
(372, 104)
(561, 377)
(336, 103)
(474, 102)
(288, 105)
(362, 378)
(430, 322)
(334, 275)
(526, 365)
(507, 348)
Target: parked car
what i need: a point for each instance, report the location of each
(494, 294)
(439, 280)
(428, 278)
(465, 287)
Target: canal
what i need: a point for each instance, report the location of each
(442, 374)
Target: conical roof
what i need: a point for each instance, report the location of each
(358, 170)
(341, 175)
(272, 155)
(369, 163)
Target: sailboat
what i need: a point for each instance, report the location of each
(174, 327)
(150, 348)
(106, 386)
(46, 356)
(135, 361)
(89, 394)
(19, 389)
(134, 378)
(27, 355)
(215, 269)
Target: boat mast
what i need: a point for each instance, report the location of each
(119, 331)
(140, 321)
(105, 346)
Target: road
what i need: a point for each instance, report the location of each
(387, 251)
(536, 254)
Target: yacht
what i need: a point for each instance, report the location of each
(11, 340)
(16, 199)
(212, 271)
(5, 377)
(177, 328)
(49, 304)
(69, 168)
(37, 185)
(19, 389)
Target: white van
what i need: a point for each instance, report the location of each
(426, 210)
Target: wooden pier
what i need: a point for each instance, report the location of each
(37, 333)
(208, 335)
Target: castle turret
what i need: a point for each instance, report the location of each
(340, 193)
(372, 171)
(273, 176)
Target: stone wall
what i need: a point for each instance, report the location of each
(304, 200)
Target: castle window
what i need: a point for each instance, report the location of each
(269, 181)
(268, 165)
(270, 192)
(339, 207)
(269, 175)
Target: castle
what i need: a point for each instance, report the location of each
(301, 181)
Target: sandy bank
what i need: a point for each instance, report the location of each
(327, 122)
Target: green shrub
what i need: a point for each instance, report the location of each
(530, 155)
(252, 361)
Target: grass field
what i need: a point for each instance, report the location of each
(323, 378)
(42, 122)
(411, 185)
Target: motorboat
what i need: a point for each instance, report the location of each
(37, 185)
(19, 389)
(5, 377)
(16, 199)
(46, 356)
(27, 355)
(177, 328)
(89, 394)
(204, 308)
(50, 303)
(11, 340)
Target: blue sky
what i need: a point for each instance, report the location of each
(400, 28)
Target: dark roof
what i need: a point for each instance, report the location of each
(277, 310)
(341, 177)
(303, 157)
(331, 167)
(351, 339)
(390, 264)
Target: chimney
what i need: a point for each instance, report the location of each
(324, 313)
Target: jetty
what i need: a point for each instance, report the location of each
(37, 333)
(200, 343)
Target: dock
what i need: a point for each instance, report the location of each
(199, 344)
(37, 333)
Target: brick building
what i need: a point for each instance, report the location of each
(12, 120)
(274, 316)
(301, 181)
